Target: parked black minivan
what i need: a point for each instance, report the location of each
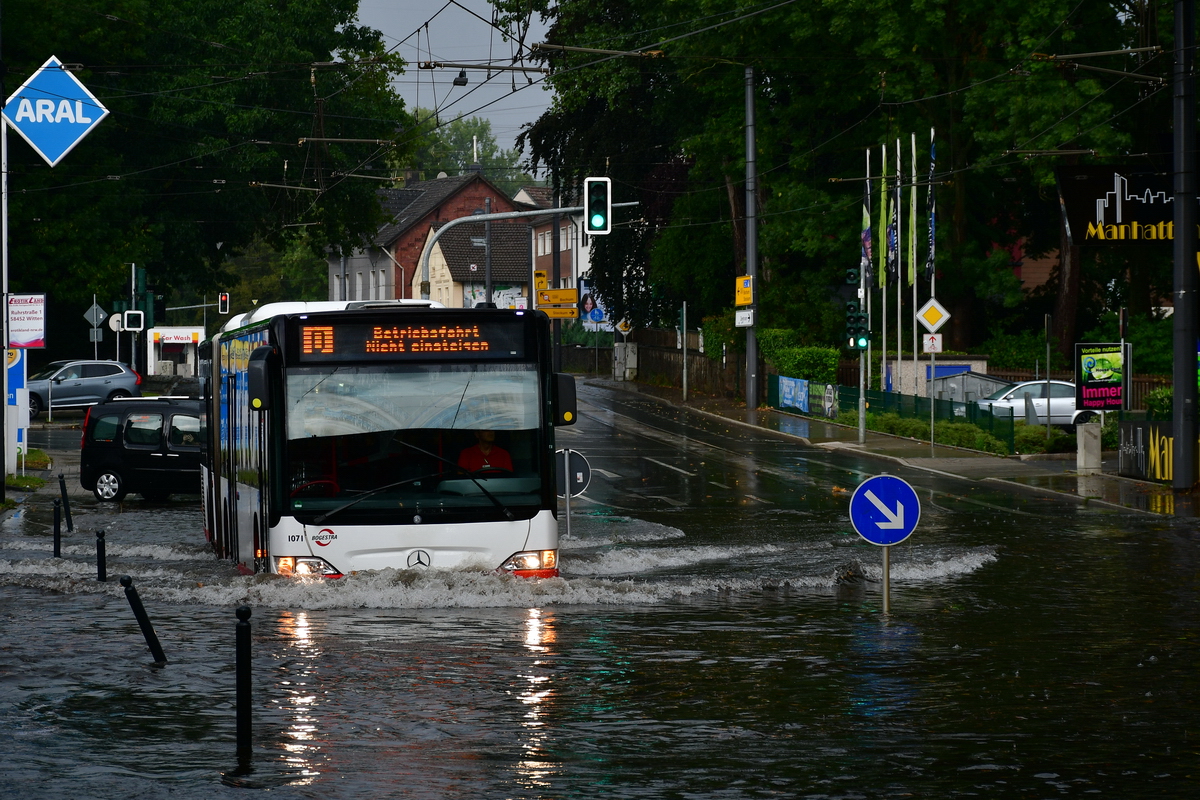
(147, 446)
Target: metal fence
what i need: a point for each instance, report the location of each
(1001, 423)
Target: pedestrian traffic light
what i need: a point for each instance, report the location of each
(223, 303)
(852, 276)
(597, 205)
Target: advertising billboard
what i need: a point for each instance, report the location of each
(1100, 376)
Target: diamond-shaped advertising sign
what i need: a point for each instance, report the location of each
(53, 111)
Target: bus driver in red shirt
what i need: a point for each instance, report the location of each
(485, 454)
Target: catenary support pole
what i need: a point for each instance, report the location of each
(1185, 326)
(751, 244)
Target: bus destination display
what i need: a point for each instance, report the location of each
(369, 341)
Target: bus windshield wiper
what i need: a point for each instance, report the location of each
(507, 512)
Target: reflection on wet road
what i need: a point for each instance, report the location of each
(716, 634)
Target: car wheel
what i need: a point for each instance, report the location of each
(1085, 417)
(118, 394)
(109, 487)
(35, 406)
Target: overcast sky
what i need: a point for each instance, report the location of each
(456, 35)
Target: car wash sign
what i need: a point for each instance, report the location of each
(53, 111)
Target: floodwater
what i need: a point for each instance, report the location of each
(717, 633)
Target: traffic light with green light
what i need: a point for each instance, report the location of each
(597, 205)
(858, 335)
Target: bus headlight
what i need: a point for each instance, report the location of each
(532, 564)
(305, 567)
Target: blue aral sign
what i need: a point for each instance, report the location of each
(884, 510)
(53, 111)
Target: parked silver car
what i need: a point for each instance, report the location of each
(1062, 402)
(77, 384)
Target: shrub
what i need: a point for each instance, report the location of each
(810, 363)
(720, 330)
(1032, 439)
(964, 434)
(956, 434)
(1160, 402)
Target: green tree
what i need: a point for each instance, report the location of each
(833, 78)
(452, 146)
(209, 100)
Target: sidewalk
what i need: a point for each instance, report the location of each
(1051, 474)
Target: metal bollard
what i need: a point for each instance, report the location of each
(143, 619)
(242, 663)
(62, 485)
(101, 561)
(57, 529)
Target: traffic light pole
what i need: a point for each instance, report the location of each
(502, 215)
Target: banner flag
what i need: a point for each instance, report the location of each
(931, 211)
(912, 215)
(892, 255)
(866, 260)
(881, 273)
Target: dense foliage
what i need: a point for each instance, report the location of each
(453, 146)
(831, 79)
(208, 98)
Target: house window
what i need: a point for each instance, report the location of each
(564, 238)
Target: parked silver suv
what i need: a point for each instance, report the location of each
(77, 384)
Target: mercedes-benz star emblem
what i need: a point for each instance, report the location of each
(419, 558)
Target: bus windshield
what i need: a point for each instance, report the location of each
(439, 442)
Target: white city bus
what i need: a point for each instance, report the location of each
(344, 434)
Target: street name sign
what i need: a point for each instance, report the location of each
(884, 510)
(933, 315)
(53, 111)
(743, 318)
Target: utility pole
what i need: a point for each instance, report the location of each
(1185, 327)
(556, 261)
(487, 253)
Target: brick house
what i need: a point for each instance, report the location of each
(384, 269)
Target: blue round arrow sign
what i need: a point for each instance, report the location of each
(884, 510)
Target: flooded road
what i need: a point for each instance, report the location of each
(716, 633)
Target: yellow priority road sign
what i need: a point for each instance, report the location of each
(562, 312)
(933, 315)
(552, 296)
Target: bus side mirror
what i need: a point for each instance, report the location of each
(564, 399)
(258, 377)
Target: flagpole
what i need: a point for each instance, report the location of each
(884, 241)
(899, 267)
(912, 252)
